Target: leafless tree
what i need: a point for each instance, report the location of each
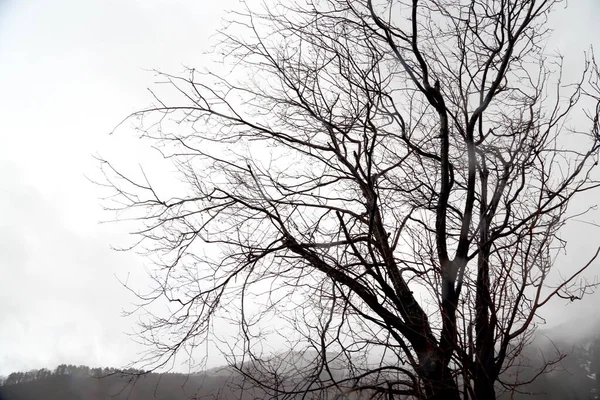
(382, 184)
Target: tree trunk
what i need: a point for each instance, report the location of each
(484, 388)
(439, 384)
(444, 389)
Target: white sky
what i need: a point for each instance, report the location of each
(70, 70)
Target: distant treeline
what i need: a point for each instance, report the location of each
(64, 369)
(70, 382)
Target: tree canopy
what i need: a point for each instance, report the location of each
(381, 184)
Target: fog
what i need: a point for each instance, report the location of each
(70, 71)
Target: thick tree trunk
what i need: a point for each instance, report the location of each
(485, 368)
(484, 388)
(439, 383)
(444, 389)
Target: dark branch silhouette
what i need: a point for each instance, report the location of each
(384, 181)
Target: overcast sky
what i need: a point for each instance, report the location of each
(70, 70)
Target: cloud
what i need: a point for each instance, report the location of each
(60, 301)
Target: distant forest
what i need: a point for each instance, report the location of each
(575, 377)
(70, 382)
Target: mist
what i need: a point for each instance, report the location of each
(70, 73)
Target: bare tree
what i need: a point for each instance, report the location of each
(384, 182)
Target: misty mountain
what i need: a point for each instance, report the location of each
(573, 354)
(575, 377)
(84, 383)
(69, 382)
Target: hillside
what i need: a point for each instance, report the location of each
(576, 377)
(77, 383)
